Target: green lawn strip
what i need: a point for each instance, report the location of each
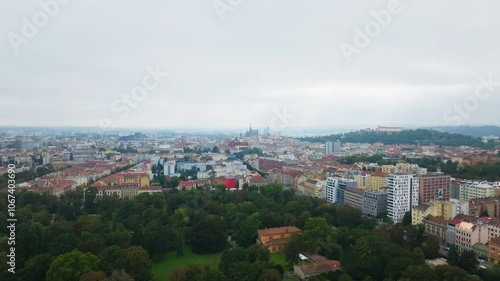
(161, 270)
(279, 258)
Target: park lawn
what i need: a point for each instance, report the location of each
(161, 270)
(279, 258)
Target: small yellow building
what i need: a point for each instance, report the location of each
(141, 178)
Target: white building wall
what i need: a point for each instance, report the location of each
(402, 195)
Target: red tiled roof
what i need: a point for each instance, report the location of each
(320, 267)
(278, 230)
(151, 188)
(437, 220)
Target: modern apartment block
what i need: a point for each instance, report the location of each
(402, 195)
(336, 147)
(354, 197)
(474, 189)
(328, 148)
(335, 189)
(434, 186)
(374, 203)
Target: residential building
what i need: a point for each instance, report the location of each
(126, 190)
(142, 178)
(374, 203)
(265, 164)
(335, 189)
(328, 148)
(443, 209)
(493, 229)
(276, 238)
(257, 181)
(494, 250)
(372, 180)
(150, 189)
(485, 206)
(53, 187)
(419, 213)
(169, 168)
(468, 234)
(455, 189)
(307, 187)
(434, 186)
(354, 197)
(402, 195)
(437, 227)
(474, 189)
(317, 266)
(451, 231)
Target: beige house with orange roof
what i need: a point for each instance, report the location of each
(276, 238)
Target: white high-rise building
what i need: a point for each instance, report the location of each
(402, 195)
(169, 168)
(328, 148)
(331, 190)
(336, 147)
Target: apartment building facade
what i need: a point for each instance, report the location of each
(374, 203)
(434, 186)
(402, 195)
(335, 189)
(470, 190)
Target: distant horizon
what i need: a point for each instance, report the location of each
(343, 128)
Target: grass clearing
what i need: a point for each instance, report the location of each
(162, 269)
(278, 258)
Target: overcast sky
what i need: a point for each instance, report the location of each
(259, 62)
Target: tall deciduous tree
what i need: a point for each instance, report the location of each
(71, 266)
(36, 268)
(135, 260)
(246, 235)
(232, 256)
(468, 261)
(208, 236)
(419, 273)
(453, 258)
(293, 248)
(180, 220)
(431, 248)
(317, 231)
